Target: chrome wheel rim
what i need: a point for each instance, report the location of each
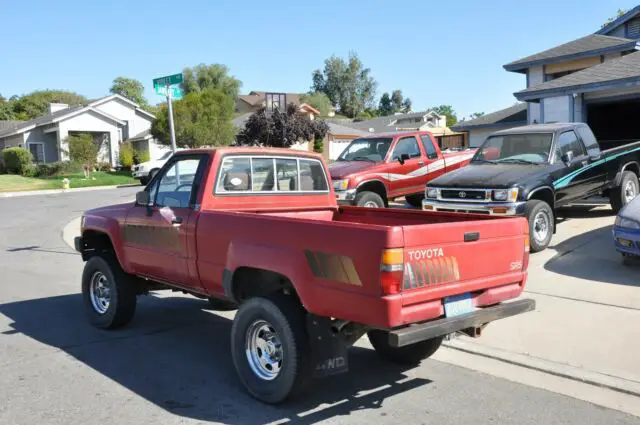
(541, 226)
(264, 350)
(100, 292)
(370, 204)
(630, 191)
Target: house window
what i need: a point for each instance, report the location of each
(276, 101)
(37, 150)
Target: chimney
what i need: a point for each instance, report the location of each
(55, 107)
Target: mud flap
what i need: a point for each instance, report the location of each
(329, 352)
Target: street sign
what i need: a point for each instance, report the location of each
(176, 91)
(169, 80)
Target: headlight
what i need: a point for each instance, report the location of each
(341, 184)
(627, 223)
(510, 195)
(432, 192)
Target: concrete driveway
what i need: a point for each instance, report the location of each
(172, 364)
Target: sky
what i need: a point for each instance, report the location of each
(436, 52)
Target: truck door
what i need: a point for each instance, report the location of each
(434, 162)
(156, 237)
(573, 180)
(406, 178)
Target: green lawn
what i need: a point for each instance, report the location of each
(12, 183)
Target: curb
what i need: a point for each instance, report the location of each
(573, 373)
(57, 191)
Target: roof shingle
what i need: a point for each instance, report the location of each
(513, 114)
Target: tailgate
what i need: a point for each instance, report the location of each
(454, 258)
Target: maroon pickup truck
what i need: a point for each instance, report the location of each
(376, 169)
(259, 230)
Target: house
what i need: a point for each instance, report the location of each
(110, 120)
(594, 79)
(426, 120)
(478, 129)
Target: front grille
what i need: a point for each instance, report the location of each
(463, 211)
(473, 195)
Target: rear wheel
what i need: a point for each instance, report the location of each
(270, 347)
(407, 355)
(108, 292)
(369, 200)
(623, 194)
(415, 200)
(540, 217)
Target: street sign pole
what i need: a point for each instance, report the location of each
(171, 129)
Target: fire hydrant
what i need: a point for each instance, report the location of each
(65, 183)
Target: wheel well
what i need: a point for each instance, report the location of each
(545, 195)
(376, 187)
(249, 282)
(96, 243)
(633, 167)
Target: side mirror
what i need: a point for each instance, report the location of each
(403, 157)
(595, 157)
(567, 157)
(143, 199)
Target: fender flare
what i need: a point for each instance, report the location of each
(111, 229)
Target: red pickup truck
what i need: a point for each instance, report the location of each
(373, 170)
(259, 230)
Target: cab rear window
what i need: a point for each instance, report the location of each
(244, 174)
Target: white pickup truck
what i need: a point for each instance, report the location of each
(146, 170)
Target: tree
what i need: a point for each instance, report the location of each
(36, 103)
(448, 111)
(385, 107)
(476, 115)
(406, 106)
(280, 128)
(618, 14)
(318, 100)
(130, 88)
(214, 76)
(347, 84)
(84, 150)
(202, 118)
(396, 100)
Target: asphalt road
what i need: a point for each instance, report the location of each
(172, 364)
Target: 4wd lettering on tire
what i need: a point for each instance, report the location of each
(332, 363)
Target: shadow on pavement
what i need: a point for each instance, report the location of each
(176, 355)
(592, 256)
(40, 249)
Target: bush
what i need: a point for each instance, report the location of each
(318, 144)
(104, 166)
(143, 156)
(125, 156)
(3, 169)
(29, 171)
(82, 149)
(17, 160)
(58, 169)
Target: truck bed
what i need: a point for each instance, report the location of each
(444, 254)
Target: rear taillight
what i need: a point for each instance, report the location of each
(525, 259)
(392, 270)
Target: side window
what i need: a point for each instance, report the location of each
(287, 174)
(262, 174)
(312, 176)
(568, 141)
(589, 140)
(174, 188)
(408, 145)
(235, 175)
(428, 146)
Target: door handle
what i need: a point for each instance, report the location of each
(176, 220)
(421, 163)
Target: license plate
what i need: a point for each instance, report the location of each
(458, 305)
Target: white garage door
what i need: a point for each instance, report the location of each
(336, 147)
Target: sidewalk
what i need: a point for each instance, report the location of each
(56, 191)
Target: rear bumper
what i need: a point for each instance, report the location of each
(512, 208)
(416, 333)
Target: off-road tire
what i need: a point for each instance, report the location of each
(221, 305)
(288, 318)
(617, 197)
(367, 199)
(122, 305)
(531, 210)
(409, 354)
(415, 200)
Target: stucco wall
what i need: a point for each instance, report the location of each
(557, 109)
(37, 135)
(618, 32)
(13, 141)
(536, 75)
(124, 111)
(635, 90)
(156, 150)
(477, 137)
(578, 108)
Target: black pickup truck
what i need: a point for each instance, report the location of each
(534, 169)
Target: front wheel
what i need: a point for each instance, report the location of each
(623, 194)
(541, 224)
(108, 292)
(369, 200)
(415, 200)
(407, 355)
(270, 347)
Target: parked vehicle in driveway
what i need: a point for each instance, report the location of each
(260, 230)
(373, 170)
(145, 171)
(532, 170)
(626, 232)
